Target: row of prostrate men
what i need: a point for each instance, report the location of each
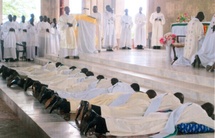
(110, 106)
(59, 38)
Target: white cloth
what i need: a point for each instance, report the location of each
(86, 37)
(43, 38)
(23, 35)
(140, 33)
(157, 28)
(121, 87)
(109, 38)
(68, 44)
(31, 42)
(126, 25)
(155, 122)
(206, 52)
(55, 42)
(98, 29)
(9, 40)
(195, 33)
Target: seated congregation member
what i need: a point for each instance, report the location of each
(155, 123)
(206, 55)
(9, 30)
(31, 40)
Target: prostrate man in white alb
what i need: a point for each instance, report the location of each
(126, 23)
(140, 34)
(67, 26)
(157, 19)
(97, 15)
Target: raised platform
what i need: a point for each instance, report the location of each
(148, 68)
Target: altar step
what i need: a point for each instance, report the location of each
(147, 77)
(34, 116)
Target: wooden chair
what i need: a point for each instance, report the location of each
(23, 51)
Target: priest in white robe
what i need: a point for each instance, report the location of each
(9, 37)
(206, 53)
(109, 38)
(126, 25)
(195, 33)
(55, 38)
(68, 43)
(43, 28)
(140, 33)
(157, 20)
(31, 40)
(97, 15)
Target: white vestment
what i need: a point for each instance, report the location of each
(68, 44)
(31, 42)
(157, 28)
(155, 122)
(9, 40)
(195, 32)
(98, 29)
(55, 42)
(207, 52)
(43, 38)
(126, 25)
(109, 38)
(140, 33)
(23, 35)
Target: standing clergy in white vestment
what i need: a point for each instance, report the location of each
(16, 26)
(9, 38)
(43, 28)
(125, 38)
(55, 42)
(206, 53)
(109, 29)
(195, 33)
(97, 15)
(31, 42)
(157, 20)
(140, 33)
(67, 26)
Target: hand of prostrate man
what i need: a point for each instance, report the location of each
(12, 30)
(70, 24)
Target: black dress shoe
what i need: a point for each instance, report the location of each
(81, 106)
(92, 122)
(56, 105)
(12, 82)
(128, 48)
(67, 57)
(76, 57)
(28, 83)
(124, 47)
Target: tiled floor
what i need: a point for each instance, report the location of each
(10, 125)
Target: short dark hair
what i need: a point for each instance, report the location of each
(89, 73)
(99, 77)
(151, 93)
(84, 70)
(58, 64)
(73, 67)
(114, 81)
(180, 96)
(209, 108)
(200, 16)
(136, 87)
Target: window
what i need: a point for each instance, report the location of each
(19, 8)
(75, 6)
